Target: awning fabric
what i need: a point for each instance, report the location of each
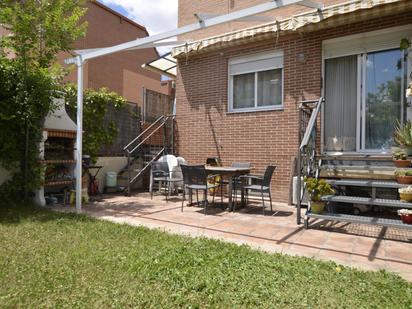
(165, 65)
(310, 20)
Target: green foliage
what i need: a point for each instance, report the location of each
(405, 44)
(25, 100)
(317, 188)
(95, 105)
(399, 154)
(402, 172)
(403, 134)
(59, 260)
(38, 31)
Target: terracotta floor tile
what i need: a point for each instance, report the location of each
(361, 246)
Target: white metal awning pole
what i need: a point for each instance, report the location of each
(79, 135)
(146, 41)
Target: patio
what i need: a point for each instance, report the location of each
(360, 246)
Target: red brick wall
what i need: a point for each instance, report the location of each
(271, 137)
(120, 72)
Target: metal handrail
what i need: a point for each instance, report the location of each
(150, 135)
(163, 121)
(147, 165)
(310, 129)
(311, 124)
(141, 134)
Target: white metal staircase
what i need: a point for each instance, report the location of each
(142, 151)
(362, 182)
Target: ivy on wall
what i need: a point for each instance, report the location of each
(95, 106)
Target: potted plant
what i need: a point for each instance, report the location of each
(316, 189)
(405, 194)
(403, 136)
(406, 215)
(403, 176)
(400, 158)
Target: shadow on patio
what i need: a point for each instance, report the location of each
(361, 246)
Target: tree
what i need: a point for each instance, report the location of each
(29, 76)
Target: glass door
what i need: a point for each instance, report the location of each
(382, 98)
(341, 107)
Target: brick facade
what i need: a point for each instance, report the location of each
(205, 128)
(120, 72)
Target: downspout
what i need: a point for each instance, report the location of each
(79, 134)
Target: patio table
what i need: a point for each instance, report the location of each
(230, 172)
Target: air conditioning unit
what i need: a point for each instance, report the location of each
(296, 193)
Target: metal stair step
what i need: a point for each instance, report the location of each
(367, 201)
(366, 183)
(339, 167)
(357, 157)
(361, 219)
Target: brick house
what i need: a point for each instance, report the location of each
(238, 90)
(121, 73)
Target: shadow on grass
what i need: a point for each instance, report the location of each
(16, 213)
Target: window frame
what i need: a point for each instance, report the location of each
(252, 58)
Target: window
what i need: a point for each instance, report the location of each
(256, 82)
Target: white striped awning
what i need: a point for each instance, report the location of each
(312, 20)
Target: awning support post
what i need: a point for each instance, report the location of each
(79, 133)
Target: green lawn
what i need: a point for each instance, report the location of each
(50, 259)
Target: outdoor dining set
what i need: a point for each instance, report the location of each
(211, 179)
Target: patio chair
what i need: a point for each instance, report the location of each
(196, 178)
(237, 183)
(160, 173)
(260, 184)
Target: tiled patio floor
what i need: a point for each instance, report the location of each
(361, 246)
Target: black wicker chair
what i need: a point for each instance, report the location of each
(196, 178)
(261, 184)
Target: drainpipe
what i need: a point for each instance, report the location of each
(79, 134)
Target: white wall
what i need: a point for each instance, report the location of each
(111, 164)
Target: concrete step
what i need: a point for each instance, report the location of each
(367, 201)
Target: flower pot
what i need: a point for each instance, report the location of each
(405, 180)
(406, 197)
(317, 207)
(407, 219)
(402, 163)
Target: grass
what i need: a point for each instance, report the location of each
(50, 259)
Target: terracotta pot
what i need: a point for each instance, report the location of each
(406, 197)
(317, 207)
(405, 180)
(402, 163)
(407, 219)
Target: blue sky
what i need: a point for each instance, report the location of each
(156, 15)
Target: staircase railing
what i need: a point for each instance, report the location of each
(307, 165)
(137, 143)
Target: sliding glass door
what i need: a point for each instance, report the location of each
(382, 98)
(364, 98)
